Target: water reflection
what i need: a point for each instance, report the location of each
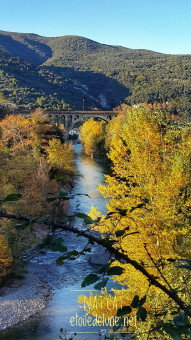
(92, 173)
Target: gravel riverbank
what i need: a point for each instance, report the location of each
(22, 299)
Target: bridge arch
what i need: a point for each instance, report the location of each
(75, 121)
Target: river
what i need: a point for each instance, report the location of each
(63, 307)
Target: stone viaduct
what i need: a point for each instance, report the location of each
(70, 118)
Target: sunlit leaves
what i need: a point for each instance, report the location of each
(17, 132)
(61, 159)
(148, 205)
(90, 133)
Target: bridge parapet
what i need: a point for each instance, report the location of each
(69, 112)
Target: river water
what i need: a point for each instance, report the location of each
(63, 310)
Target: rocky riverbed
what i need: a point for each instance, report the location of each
(22, 299)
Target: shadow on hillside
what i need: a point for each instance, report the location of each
(33, 51)
(92, 87)
(79, 89)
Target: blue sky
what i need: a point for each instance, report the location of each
(159, 25)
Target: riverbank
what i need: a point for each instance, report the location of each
(23, 299)
(47, 298)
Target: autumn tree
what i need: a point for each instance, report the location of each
(147, 226)
(90, 133)
(17, 132)
(6, 258)
(44, 131)
(61, 160)
(27, 169)
(148, 212)
(31, 133)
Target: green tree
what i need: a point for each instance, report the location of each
(40, 101)
(2, 97)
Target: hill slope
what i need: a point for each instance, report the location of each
(51, 72)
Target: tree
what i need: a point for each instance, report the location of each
(40, 101)
(5, 257)
(17, 132)
(61, 160)
(147, 225)
(90, 133)
(148, 210)
(2, 97)
(44, 131)
(180, 324)
(24, 170)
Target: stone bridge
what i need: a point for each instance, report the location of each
(70, 118)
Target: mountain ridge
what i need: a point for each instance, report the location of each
(75, 36)
(50, 67)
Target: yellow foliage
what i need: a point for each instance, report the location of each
(61, 159)
(94, 214)
(151, 186)
(90, 132)
(25, 169)
(149, 180)
(28, 133)
(17, 132)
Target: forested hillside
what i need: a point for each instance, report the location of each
(61, 72)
